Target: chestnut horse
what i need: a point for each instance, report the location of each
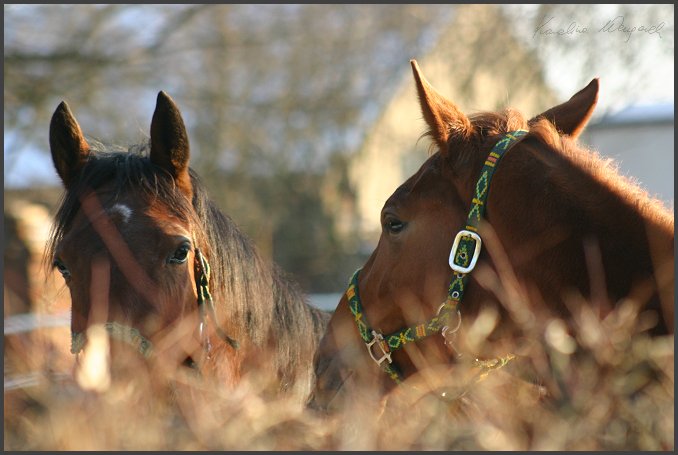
(531, 204)
(147, 256)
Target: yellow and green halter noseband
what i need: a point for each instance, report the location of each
(463, 257)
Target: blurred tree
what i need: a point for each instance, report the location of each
(275, 97)
(269, 94)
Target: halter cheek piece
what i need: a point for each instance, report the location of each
(206, 304)
(143, 345)
(463, 257)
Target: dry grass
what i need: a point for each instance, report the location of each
(608, 387)
(603, 384)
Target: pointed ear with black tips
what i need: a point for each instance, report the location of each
(169, 142)
(572, 116)
(442, 115)
(67, 144)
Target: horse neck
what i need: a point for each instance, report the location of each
(241, 280)
(567, 223)
(265, 310)
(260, 295)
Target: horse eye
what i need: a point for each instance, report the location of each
(181, 253)
(394, 225)
(61, 267)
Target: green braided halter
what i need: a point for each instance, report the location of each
(463, 257)
(206, 304)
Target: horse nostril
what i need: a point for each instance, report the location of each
(321, 365)
(314, 404)
(331, 375)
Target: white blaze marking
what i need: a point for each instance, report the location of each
(123, 211)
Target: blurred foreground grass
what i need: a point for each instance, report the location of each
(603, 385)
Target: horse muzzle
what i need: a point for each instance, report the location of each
(331, 375)
(334, 376)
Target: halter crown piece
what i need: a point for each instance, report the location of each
(463, 257)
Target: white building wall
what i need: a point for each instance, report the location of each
(475, 79)
(644, 151)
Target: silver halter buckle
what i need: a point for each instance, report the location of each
(378, 338)
(476, 251)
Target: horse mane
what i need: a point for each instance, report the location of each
(604, 172)
(574, 187)
(252, 298)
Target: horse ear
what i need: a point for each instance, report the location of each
(442, 116)
(169, 142)
(67, 144)
(572, 116)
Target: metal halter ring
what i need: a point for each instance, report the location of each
(449, 335)
(446, 329)
(464, 233)
(378, 339)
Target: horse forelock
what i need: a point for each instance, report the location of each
(111, 174)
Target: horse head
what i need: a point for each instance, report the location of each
(454, 247)
(127, 239)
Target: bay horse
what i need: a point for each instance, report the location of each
(149, 257)
(556, 218)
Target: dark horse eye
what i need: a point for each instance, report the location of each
(181, 253)
(394, 225)
(61, 267)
